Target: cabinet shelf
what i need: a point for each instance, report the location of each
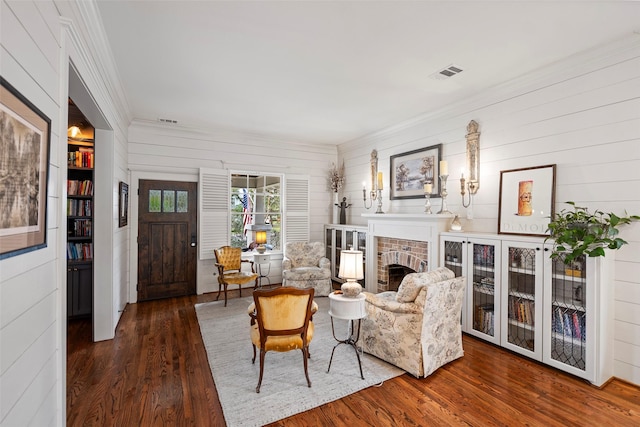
(565, 278)
(484, 289)
(522, 295)
(483, 269)
(525, 271)
(522, 325)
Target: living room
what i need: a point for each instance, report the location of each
(579, 112)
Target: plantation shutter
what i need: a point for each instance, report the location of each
(296, 208)
(214, 225)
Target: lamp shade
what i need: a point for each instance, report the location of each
(351, 265)
(261, 237)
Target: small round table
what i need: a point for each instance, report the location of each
(259, 260)
(351, 309)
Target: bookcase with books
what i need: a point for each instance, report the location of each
(478, 259)
(80, 163)
(537, 306)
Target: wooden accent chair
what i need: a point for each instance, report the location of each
(281, 321)
(229, 262)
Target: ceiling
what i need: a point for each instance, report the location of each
(333, 71)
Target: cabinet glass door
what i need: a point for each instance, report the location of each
(523, 281)
(339, 248)
(483, 295)
(361, 241)
(328, 242)
(568, 322)
(453, 256)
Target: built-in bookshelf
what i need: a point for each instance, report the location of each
(80, 210)
(520, 298)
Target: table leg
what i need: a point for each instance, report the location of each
(349, 341)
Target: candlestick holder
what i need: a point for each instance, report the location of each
(372, 197)
(427, 203)
(379, 197)
(444, 210)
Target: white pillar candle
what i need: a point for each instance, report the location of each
(444, 167)
(428, 188)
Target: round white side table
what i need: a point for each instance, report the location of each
(259, 260)
(351, 309)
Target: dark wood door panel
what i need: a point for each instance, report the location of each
(166, 259)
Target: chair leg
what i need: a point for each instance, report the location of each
(240, 287)
(225, 294)
(254, 354)
(262, 352)
(219, 290)
(305, 355)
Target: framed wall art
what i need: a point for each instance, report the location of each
(410, 172)
(527, 200)
(24, 161)
(123, 204)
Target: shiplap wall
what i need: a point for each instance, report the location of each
(177, 151)
(582, 115)
(36, 40)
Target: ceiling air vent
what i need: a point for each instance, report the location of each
(171, 121)
(447, 72)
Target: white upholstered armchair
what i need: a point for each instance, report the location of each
(417, 328)
(305, 266)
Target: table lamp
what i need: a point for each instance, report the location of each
(261, 239)
(351, 270)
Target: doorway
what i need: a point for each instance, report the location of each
(167, 239)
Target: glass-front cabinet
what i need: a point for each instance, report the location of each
(578, 338)
(522, 273)
(343, 237)
(475, 258)
(519, 298)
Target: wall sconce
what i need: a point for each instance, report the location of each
(376, 185)
(472, 184)
(261, 239)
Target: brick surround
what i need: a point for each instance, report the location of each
(408, 253)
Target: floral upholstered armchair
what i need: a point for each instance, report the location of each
(305, 266)
(417, 328)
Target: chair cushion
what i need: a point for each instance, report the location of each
(283, 342)
(413, 282)
(239, 278)
(306, 273)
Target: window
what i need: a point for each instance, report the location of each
(256, 206)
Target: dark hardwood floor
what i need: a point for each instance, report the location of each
(155, 373)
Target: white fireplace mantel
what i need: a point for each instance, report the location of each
(418, 227)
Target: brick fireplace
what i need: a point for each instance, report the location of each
(397, 258)
(403, 243)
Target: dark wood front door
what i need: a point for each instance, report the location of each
(167, 232)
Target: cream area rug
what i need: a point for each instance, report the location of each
(284, 391)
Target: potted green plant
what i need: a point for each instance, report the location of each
(577, 232)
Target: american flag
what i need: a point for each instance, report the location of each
(246, 212)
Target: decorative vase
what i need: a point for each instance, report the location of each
(335, 209)
(455, 224)
(351, 289)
